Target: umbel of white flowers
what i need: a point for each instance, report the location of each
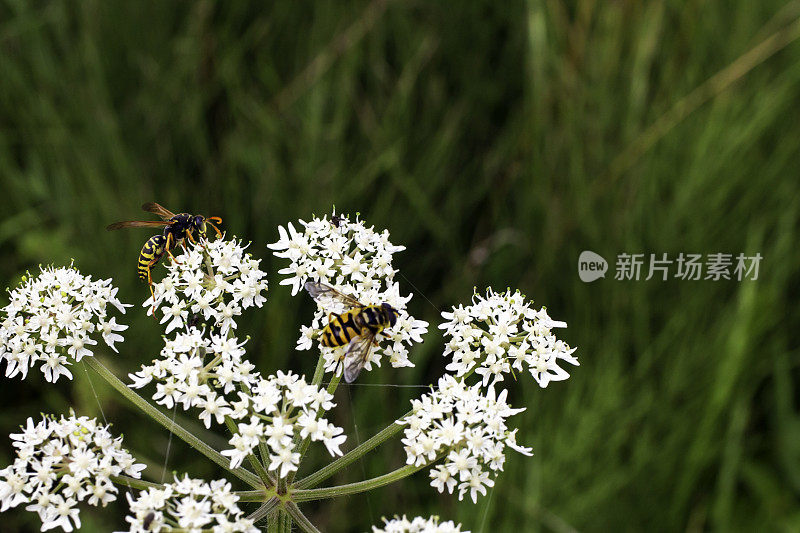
(51, 321)
(192, 504)
(357, 261)
(417, 525)
(501, 332)
(466, 426)
(212, 283)
(61, 462)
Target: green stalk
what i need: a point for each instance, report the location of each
(353, 455)
(279, 522)
(245, 475)
(265, 509)
(319, 372)
(300, 519)
(254, 495)
(133, 483)
(304, 495)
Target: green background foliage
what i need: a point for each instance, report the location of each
(496, 140)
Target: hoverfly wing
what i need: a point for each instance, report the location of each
(325, 294)
(158, 209)
(357, 355)
(137, 224)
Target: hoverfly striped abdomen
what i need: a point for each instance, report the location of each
(341, 329)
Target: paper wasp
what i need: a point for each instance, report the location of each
(176, 228)
(356, 327)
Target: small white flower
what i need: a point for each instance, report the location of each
(476, 482)
(109, 329)
(442, 479)
(284, 459)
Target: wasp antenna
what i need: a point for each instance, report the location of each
(219, 233)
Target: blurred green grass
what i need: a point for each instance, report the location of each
(496, 141)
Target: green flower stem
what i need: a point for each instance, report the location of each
(245, 475)
(265, 509)
(327, 471)
(304, 495)
(133, 483)
(257, 466)
(334, 383)
(300, 519)
(254, 495)
(262, 447)
(319, 372)
(279, 522)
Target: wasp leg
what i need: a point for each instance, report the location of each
(171, 244)
(190, 235)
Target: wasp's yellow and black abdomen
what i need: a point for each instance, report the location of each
(151, 252)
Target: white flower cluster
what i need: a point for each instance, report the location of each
(188, 505)
(50, 320)
(356, 261)
(465, 425)
(417, 525)
(60, 463)
(211, 282)
(208, 372)
(501, 331)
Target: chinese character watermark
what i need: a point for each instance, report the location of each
(684, 266)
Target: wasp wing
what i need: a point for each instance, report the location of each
(357, 355)
(158, 209)
(138, 224)
(325, 294)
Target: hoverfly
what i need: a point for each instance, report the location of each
(176, 228)
(356, 327)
